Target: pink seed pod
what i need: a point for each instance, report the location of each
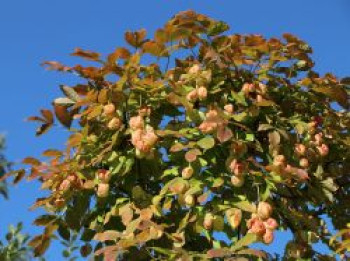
(102, 190)
(202, 93)
(300, 149)
(114, 124)
(301, 174)
(65, 185)
(279, 160)
(229, 108)
(149, 137)
(268, 237)
(109, 109)
(264, 210)
(192, 96)
(304, 162)
(224, 133)
(207, 127)
(323, 150)
(145, 111)
(212, 114)
(194, 69)
(208, 221)
(136, 122)
(318, 138)
(104, 175)
(271, 223)
(257, 227)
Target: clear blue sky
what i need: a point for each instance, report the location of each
(39, 30)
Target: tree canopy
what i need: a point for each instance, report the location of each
(192, 132)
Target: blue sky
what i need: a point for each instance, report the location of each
(35, 31)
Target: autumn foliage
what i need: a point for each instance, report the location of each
(198, 132)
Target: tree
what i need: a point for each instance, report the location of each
(195, 131)
(15, 247)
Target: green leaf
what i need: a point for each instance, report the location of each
(217, 28)
(206, 143)
(246, 206)
(249, 137)
(245, 241)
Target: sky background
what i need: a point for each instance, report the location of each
(35, 31)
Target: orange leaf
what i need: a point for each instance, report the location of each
(135, 39)
(88, 55)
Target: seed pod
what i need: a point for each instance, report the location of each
(208, 221)
(187, 172)
(136, 122)
(202, 93)
(279, 160)
(189, 200)
(102, 190)
(192, 96)
(229, 108)
(271, 223)
(264, 210)
(323, 150)
(65, 185)
(268, 237)
(300, 149)
(234, 217)
(304, 162)
(237, 181)
(109, 109)
(104, 175)
(256, 226)
(194, 69)
(114, 124)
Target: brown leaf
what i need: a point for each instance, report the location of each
(56, 66)
(52, 153)
(88, 55)
(31, 161)
(47, 115)
(155, 49)
(135, 39)
(215, 253)
(274, 138)
(119, 53)
(63, 115)
(192, 154)
(42, 129)
(36, 118)
(108, 235)
(19, 176)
